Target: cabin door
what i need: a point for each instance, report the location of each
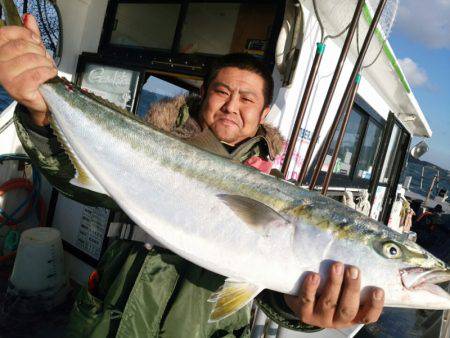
(391, 160)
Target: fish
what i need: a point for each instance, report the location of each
(258, 231)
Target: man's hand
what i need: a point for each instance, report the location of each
(339, 304)
(24, 65)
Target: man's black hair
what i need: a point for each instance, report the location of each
(245, 62)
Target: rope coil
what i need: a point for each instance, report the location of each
(33, 202)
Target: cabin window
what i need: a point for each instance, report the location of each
(222, 28)
(372, 140)
(150, 25)
(132, 88)
(356, 158)
(388, 165)
(347, 151)
(155, 89)
(184, 36)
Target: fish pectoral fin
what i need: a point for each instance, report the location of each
(252, 212)
(88, 183)
(232, 296)
(83, 177)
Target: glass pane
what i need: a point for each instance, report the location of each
(346, 155)
(221, 28)
(368, 151)
(155, 90)
(146, 25)
(390, 155)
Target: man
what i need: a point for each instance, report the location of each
(139, 292)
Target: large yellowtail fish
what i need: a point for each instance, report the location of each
(259, 231)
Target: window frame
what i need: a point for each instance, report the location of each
(189, 64)
(399, 159)
(144, 73)
(351, 181)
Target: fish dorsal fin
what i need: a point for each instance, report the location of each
(252, 212)
(83, 177)
(232, 296)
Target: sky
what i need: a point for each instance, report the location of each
(162, 87)
(421, 41)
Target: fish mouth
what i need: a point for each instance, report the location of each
(426, 279)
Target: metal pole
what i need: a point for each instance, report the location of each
(302, 109)
(347, 93)
(421, 178)
(331, 90)
(430, 190)
(326, 182)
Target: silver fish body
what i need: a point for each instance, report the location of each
(259, 231)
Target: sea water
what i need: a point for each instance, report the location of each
(421, 185)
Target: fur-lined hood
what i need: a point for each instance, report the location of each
(168, 115)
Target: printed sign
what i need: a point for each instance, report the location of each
(83, 227)
(116, 85)
(92, 230)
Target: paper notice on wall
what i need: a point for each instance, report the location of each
(92, 230)
(83, 227)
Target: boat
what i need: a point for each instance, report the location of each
(134, 53)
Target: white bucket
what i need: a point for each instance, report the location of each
(39, 264)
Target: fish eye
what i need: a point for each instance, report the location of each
(391, 250)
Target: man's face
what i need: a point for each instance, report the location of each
(233, 106)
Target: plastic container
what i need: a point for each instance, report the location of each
(39, 265)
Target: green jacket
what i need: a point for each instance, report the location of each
(153, 293)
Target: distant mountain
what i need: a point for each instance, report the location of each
(429, 164)
(423, 174)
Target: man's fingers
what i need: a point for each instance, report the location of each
(372, 307)
(24, 63)
(307, 296)
(349, 301)
(33, 78)
(18, 33)
(15, 48)
(327, 302)
(30, 23)
(30, 80)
